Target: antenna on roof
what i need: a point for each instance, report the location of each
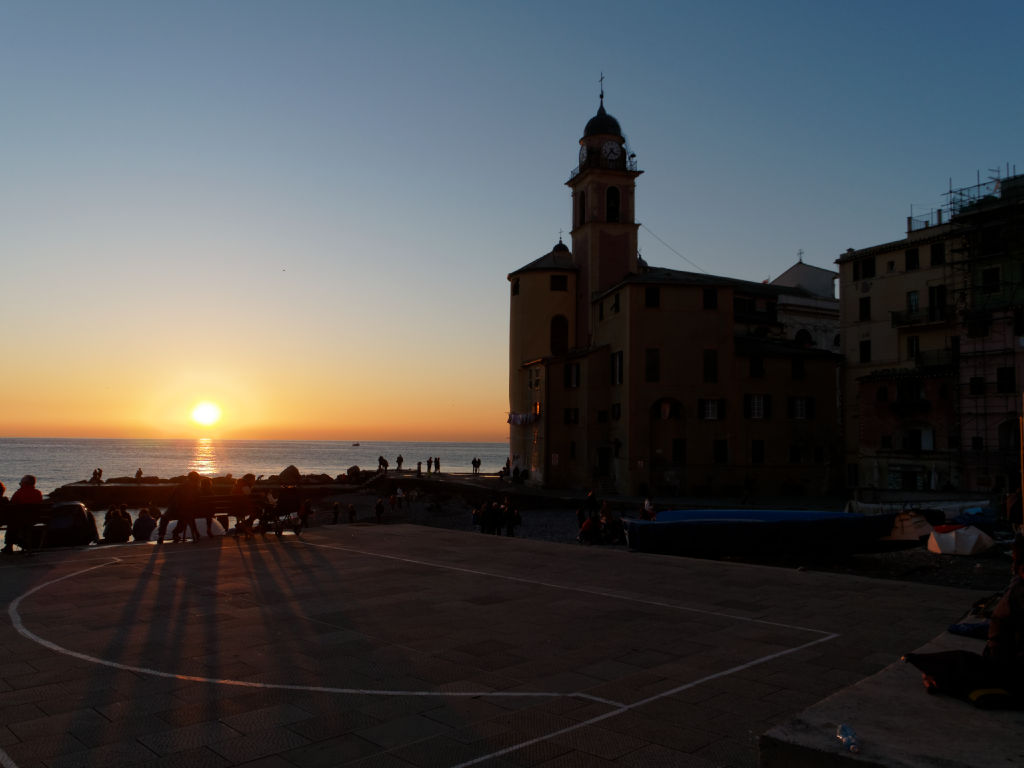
(601, 81)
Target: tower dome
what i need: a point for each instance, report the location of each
(602, 124)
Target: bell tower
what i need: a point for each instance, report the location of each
(604, 228)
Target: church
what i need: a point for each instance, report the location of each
(640, 380)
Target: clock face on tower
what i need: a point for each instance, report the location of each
(611, 150)
(583, 154)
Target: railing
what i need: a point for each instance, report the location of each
(933, 358)
(622, 163)
(941, 314)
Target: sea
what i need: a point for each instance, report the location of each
(56, 461)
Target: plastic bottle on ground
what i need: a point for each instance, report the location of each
(847, 737)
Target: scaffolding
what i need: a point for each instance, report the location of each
(987, 283)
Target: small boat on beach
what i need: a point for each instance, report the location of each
(756, 533)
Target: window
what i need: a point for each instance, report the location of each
(912, 441)
(721, 451)
(977, 443)
(600, 310)
(711, 366)
(887, 441)
(757, 367)
(616, 368)
(803, 338)
(913, 301)
(757, 406)
(571, 375)
(652, 365)
(865, 268)
(797, 368)
(977, 385)
(612, 198)
(710, 298)
(865, 351)
(890, 266)
(1006, 381)
(864, 309)
(616, 411)
(533, 378)
(757, 451)
(652, 297)
(913, 347)
(936, 302)
(938, 254)
(711, 409)
(559, 335)
(559, 282)
(515, 286)
(615, 303)
(913, 261)
(678, 450)
(602, 416)
(581, 211)
(572, 415)
(795, 453)
(990, 280)
(801, 408)
(882, 395)
(977, 325)
(909, 390)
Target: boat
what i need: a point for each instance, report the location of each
(355, 445)
(777, 534)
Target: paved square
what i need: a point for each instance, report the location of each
(401, 645)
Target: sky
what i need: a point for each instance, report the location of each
(305, 212)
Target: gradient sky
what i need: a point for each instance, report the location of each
(306, 211)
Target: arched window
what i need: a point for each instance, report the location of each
(559, 335)
(803, 338)
(581, 208)
(612, 198)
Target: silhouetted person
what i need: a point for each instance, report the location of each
(182, 508)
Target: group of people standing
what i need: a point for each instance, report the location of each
(494, 517)
(599, 523)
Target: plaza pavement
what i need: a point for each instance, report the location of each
(400, 645)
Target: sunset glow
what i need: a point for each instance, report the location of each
(261, 206)
(206, 413)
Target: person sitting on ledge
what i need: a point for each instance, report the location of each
(995, 678)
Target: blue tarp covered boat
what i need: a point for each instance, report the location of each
(757, 533)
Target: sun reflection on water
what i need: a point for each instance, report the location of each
(204, 457)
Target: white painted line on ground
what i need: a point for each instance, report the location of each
(582, 590)
(27, 633)
(618, 708)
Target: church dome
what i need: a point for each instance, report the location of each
(602, 124)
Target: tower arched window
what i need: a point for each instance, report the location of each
(559, 335)
(612, 199)
(581, 208)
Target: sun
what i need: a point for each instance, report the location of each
(206, 413)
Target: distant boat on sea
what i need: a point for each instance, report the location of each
(355, 445)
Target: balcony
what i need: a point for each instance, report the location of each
(625, 162)
(930, 316)
(935, 358)
(905, 409)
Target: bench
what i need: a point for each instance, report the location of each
(247, 510)
(221, 507)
